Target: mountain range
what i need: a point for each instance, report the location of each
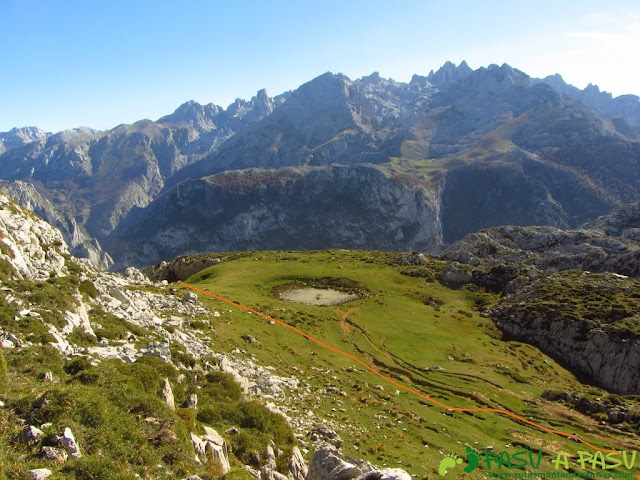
(366, 163)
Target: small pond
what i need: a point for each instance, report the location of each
(317, 296)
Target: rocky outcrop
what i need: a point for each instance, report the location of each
(549, 249)
(294, 208)
(622, 221)
(615, 413)
(585, 321)
(212, 447)
(80, 243)
(33, 248)
(552, 300)
(297, 465)
(167, 394)
(329, 464)
(179, 269)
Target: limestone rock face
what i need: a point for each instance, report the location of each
(106, 174)
(179, 269)
(622, 221)
(212, 445)
(32, 247)
(351, 207)
(297, 465)
(602, 347)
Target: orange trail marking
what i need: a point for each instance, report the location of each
(391, 381)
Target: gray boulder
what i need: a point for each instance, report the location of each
(167, 394)
(39, 474)
(28, 435)
(54, 454)
(455, 277)
(327, 465)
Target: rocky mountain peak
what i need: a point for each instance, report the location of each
(193, 114)
(504, 75)
(449, 74)
(327, 89)
(626, 107)
(17, 137)
(262, 104)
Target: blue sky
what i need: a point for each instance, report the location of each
(70, 63)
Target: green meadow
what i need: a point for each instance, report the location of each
(418, 333)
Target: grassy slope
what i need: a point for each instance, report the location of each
(409, 325)
(114, 410)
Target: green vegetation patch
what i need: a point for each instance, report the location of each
(113, 328)
(121, 424)
(596, 300)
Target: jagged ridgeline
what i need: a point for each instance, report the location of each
(126, 376)
(336, 163)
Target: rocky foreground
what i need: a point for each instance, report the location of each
(157, 317)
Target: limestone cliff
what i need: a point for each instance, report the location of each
(293, 208)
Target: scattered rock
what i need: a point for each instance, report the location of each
(28, 435)
(48, 377)
(253, 472)
(192, 401)
(68, 442)
(167, 394)
(212, 445)
(394, 474)
(54, 454)
(135, 275)
(454, 277)
(323, 432)
(39, 474)
(414, 258)
(267, 473)
(159, 350)
(249, 339)
(189, 297)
